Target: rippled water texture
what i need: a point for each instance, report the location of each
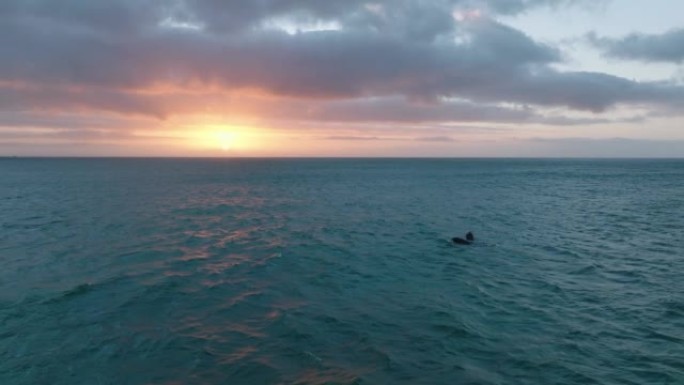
(341, 272)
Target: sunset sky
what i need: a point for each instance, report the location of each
(342, 78)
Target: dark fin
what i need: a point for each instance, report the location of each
(460, 241)
(470, 236)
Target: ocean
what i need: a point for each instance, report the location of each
(341, 271)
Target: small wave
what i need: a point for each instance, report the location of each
(624, 276)
(327, 376)
(74, 292)
(673, 308)
(586, 270)
(240, 354)
(242, 297)
(251, 372)
(78, 290)
(452, 330)
(653, 334)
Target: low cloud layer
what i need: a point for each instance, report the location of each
(665, 47)
(351, 60)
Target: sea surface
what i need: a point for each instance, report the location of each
(341, 271)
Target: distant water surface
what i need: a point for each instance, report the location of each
(169, 271)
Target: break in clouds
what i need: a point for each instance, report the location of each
(342, 60)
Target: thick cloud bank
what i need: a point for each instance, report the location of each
(422, 60)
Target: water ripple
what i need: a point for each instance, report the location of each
(322, 272)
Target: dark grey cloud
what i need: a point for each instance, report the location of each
(589, 91)
(665, 47)
(401, 111)
(510, 7)
(415, 17)
(332, 64)
(384, 60)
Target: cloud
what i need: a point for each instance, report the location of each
(68, 121)
(665, 47)
(436, 139)
(511, 7)
(354, 138)
(588, 91)
(402, 61)
(317, 64)
(399, 110)
(439, 139)
(59, 99)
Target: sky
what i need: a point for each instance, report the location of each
(338, 78)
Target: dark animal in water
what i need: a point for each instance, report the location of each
(469, 238)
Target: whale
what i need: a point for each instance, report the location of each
(469, 238)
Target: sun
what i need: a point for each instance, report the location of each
(220, 139)
(226, 140)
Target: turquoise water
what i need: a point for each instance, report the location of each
(170, 271)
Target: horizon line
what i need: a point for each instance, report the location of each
(343, 157)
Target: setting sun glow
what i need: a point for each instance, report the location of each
(220, 138)
(226, 140)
